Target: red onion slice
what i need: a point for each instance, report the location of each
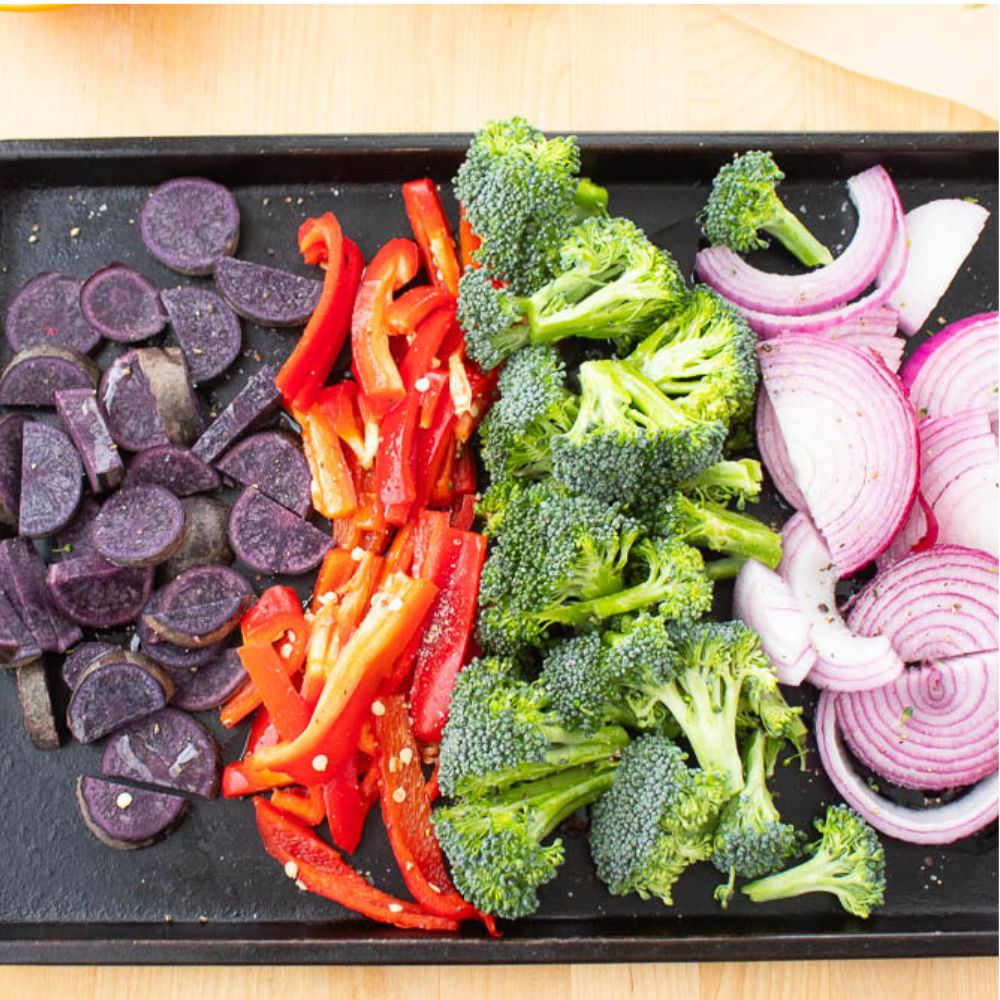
(851, 438)
(959, 479)
(764, 601)
(874, 197)
(774, 454)
(932, 605)
(881, 321)
(888, 349)
(845, 661)
(941, 235)
(934, 727)
(956, 369)
(919, 532)
(942, 824)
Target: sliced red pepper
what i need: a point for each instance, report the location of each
(273, 602)
(463, 511)
(483, 391)
(430, 399)
(406, 812)
(399, 557)
(322, 870)
(443, 486)
(431, 229)
(392, 267)
(429, 541)
(284, 704)
(337, 568)
(433, 783)
(442, 652)
(343, 803)
(305, 804)
(468, 241)
(240, 779)
(394, 464)
(332, 485)
(414, 306)
(426, 345)
(463, 479)
(339, 407)
(435, 450)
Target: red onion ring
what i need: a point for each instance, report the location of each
(888, 349)
(774, 454)
(845, 661)
(934, 727)
(851, 439)
(874, 197)
(932, 605)
(942, 824)
(918, 533)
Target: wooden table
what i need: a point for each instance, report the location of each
(184, 70)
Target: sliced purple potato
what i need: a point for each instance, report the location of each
(116, 688)
(188, 223)
(173, 393)
(264, 295)
(174, 658)
(11, 444)
(274, 463)
(210, 685)
(201, 607)
(81, 416)
(51, 481)
(17, 645)
(47, 311)
(207, 329)
(122, 305)
(80, 657)
(22, 578)
(138, 526)
(269, 538)
(74, 540)
(255, 403)
(169, 749)
(36, 706)
(206, 536)
(173, 467)
(91, 591)
(35, 375)
(127, 818)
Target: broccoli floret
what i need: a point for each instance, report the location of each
(848, 861)
(502, 730)
(521, 196)
(630, 441)
(494, 845)
(703, 356)
(610, 283)
(727, 481)
(762, 705)
(656, 820)
(751, 840)
(533, 406)
(743, 200)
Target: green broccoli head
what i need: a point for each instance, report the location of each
(848, 862)
(738, 481)
(521, 195)
(493, 323)
(744, 201)
(703, 355)
(655, 821)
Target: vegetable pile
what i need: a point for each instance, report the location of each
(485, 656)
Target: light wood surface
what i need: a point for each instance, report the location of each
(185, 70)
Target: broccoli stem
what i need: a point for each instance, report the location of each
(590, 199)
(733, 533)
(789, 230)
(820, 873)
(726, 568)
(740, 479)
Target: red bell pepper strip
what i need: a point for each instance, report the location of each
(284, 704)
(305, 804)
(414, 306)
(392, 267)
(463, 479)
(399, 557)
(429, 542)
(435, 453)
(306, 370)
(337, 568)
(406, 812)
(394, 462)
(442, 652)
(395, 613)
(274, 602)
(340, 407)
(344, 804)
(443, 486)
(320, 869)
(463, 511)
(483, 391)
(432, 232)
(332, 485)
(433, 784)
(238, 779)
(426, 345)
(430, 399)
(468, 241)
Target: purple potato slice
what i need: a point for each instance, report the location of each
(51, 481)
(74, 540)
(201, 607)
(127, 818)
(210, 685)
(47, 311)
(80, 657)
(91, 591)
(274, 463)
(17, 645)
(173, 658)
(255, 403)
(11, 443)
(36, 706)
(35, 375)
(206, 536)
(138, 526)
(81, 416)
(173, 467)
(207, 329)
(122, 304)
(176, 401)
(269, 538)
(264, 295)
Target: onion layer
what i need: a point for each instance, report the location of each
(845, 661)
(888, 349)
(774, 454)
(762, 600)
(956, 369)
(934, 727)
(851, 438)
(874, 197)
(932, 605)
(935, 825)
(918, 533)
